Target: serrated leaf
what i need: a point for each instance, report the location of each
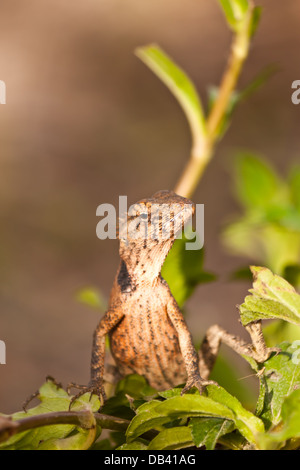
(290, 414)
(271, 297)
(281, 376)
(173, 438)
(180, 85)
(53, 398)
(245, 421)
(207, 431)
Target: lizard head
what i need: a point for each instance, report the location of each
(151, 227)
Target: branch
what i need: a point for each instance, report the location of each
(9, 428)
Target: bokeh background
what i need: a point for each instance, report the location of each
(85, 122)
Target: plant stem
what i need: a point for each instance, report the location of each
(8, 427)
(201, 156)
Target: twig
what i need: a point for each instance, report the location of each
(201, 155)
(78, 418)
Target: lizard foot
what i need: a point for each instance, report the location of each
(198, 382)
(264, 356)
(36, 394)
(92, 389)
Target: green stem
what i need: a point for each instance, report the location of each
(201, 156)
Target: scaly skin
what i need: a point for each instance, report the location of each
(148, 334)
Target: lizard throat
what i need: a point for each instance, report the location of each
(144, 262)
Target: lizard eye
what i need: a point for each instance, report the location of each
(144, 215)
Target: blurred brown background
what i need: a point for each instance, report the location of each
(84, 122)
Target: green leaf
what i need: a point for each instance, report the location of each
(235, 12)
(218, 403)
(207, 431)
(294, 180)
(272, 297)
(192, 405)
(226, 373)
(268, 230)
(173, 438)
(135, 386)
(92, 297)
(242, 274)
(173, 392)
(118, 405)
(279, 331)
(103, 444)
(183, 270)
(147, 418)
(290, 414)
(83, 439)
(180, 85)
(256, 183)
(245, 421)
(229, 13)
(262, 240)
(138, 444)
(281, 376)
(53, 398)
(256, 15)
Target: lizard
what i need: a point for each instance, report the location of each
(147, 331)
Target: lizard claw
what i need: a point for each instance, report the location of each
(198, 382)
(264, 356)
(92, 389)
(36, 394)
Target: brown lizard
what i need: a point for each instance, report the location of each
(147, 331)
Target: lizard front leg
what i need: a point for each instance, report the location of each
(216, 335)
(187, 348)
(111, 318)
